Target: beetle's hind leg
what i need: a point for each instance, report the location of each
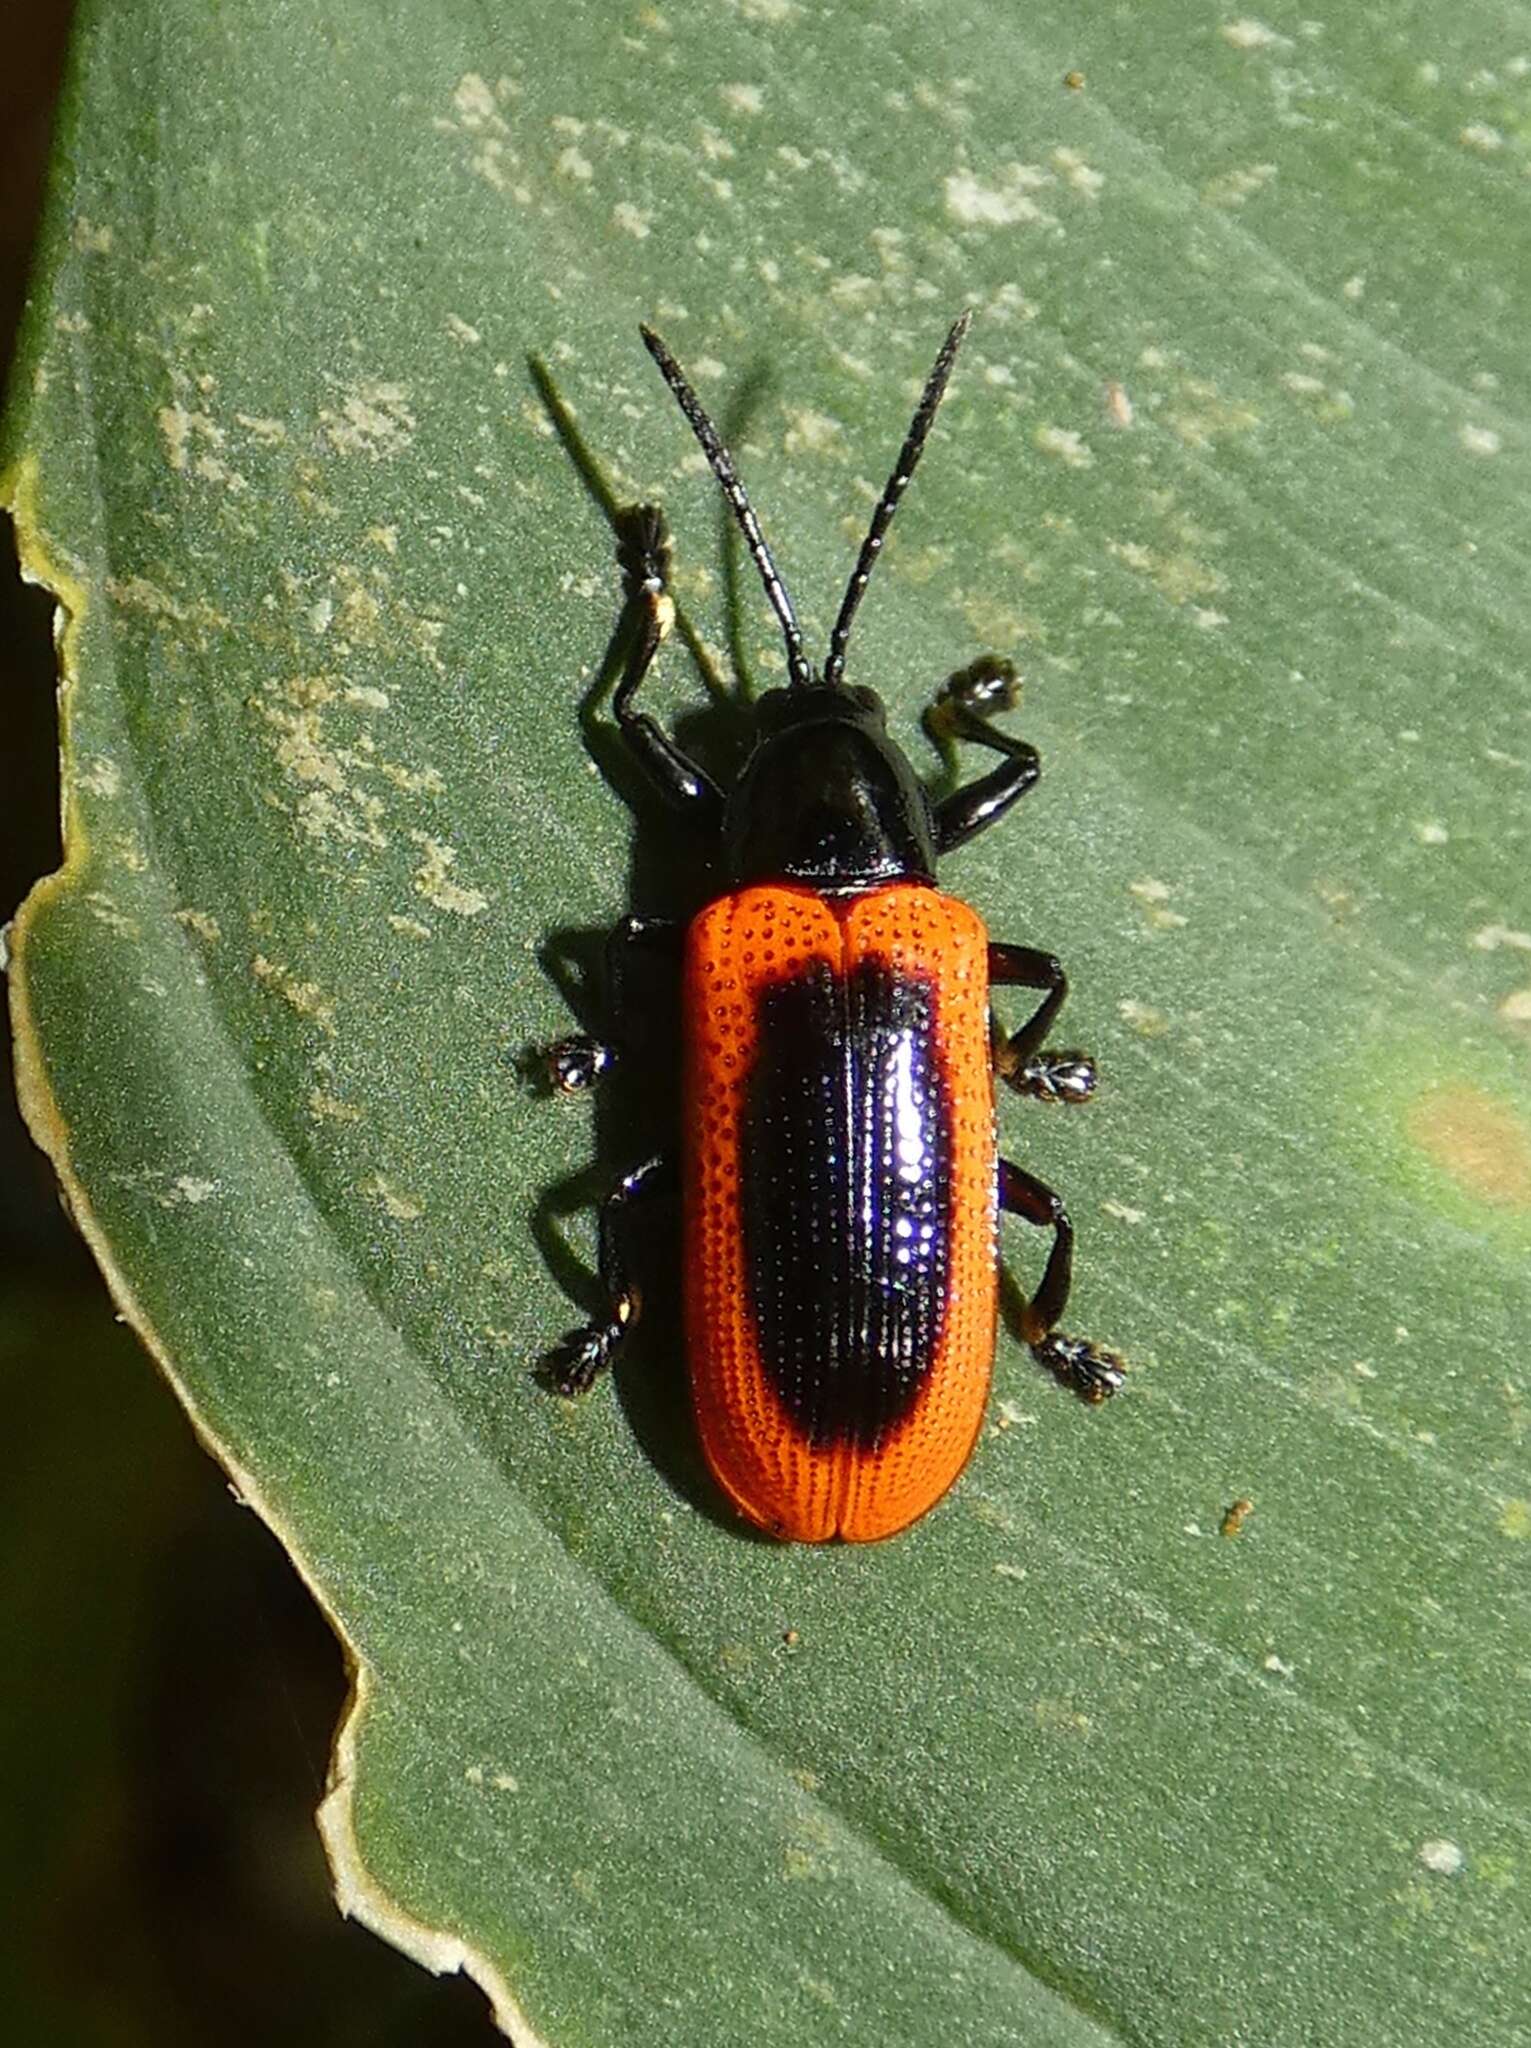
(575, 1363)
(1093, 1373)
(1019, 1059)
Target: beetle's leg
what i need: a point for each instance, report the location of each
(575, 1362)
(961, 711)
(1091, 1372)
(645, 556)
(1018, 1058)
(575, 1064)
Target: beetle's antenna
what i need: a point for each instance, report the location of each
(887, 504)
(799, 670)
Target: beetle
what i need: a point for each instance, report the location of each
(840, 1177)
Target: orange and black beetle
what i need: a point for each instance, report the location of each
(840, 1179)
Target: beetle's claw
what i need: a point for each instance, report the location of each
(574, 1365)
(1092, 1373)
(576, 1064)
(1056, 1077)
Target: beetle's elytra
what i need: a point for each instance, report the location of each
(839, 1174)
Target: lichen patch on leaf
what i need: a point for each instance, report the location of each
(373, 418)
(1180, 577)
(1005, 202)
(433, 879)
(142, 594)
(307, 998)
(202, 922)
(193, 441)
(324, 1107)
(402, 1206)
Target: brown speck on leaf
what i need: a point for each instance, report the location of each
(1235, 1517)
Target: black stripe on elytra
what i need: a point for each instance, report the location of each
(846, 1164)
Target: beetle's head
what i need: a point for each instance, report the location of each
(827, 798)
(813, 702)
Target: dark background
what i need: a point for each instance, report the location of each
(165, 1726)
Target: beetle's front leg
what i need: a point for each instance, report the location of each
(1018, 1059)
(961, 711)
(1093, 1373)
(645, 557)
(574, 1065)
(574, 1364)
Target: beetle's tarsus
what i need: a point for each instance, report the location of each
(576, 1064)
(644, 554)
(986, 685)
(1054, 1077)
(1086, 1369)
(574, 1366)
(643, 551)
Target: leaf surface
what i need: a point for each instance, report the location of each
(333, 353)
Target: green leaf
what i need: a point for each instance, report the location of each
(1236, 466)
